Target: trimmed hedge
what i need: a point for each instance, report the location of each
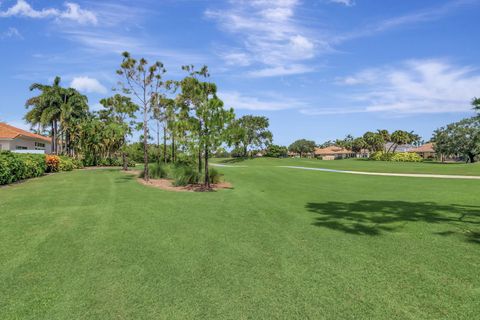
(407, 157)
(397, 157)
(16, 166)
(21, 166)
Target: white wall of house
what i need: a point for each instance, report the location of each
(25, 144)
(4, 144)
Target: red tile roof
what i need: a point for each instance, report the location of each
(10, 132)
(427, 147)
(332, 150)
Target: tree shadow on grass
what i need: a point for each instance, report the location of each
(373, 218)
(125, 178)
(233, 160)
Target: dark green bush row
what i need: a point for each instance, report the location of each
(21, 166)
(15, 166)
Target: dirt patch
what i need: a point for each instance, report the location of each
(167, 184)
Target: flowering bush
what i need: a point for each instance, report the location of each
(53, 163)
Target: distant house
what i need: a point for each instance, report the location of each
(427, 151)
(19, 140)
(333, 153)
(399, 148)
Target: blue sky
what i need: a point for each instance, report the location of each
(318, 69)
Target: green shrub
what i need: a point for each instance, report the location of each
(156, 171)
(15, 167)
(397, 156)
(77, 164)
(407, 157)
(214, 175)
(184, 175)
(275, 151)
(381, 156)
(65, 164)
(131, 163)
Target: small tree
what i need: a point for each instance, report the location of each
(459, 139)
(144, 82)
(121, 110)
(302, 147)
(276, 151)
(208, 120)
(250, 131)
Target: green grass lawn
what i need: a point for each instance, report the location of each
(284, 244)
(364, 165)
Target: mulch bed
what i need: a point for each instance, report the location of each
(167, 184)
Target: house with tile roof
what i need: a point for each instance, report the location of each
(333, 153)
(426, 151)
(19, 140)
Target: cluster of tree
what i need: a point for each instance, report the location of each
(381, 140)
(187, 113)
(460, 139)
(74, 129)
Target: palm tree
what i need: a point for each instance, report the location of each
(46, 108)
(74, 107)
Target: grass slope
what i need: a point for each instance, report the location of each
(364, 165)
(285, 244)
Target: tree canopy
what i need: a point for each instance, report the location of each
(460, 138)
(302, 147)
(250, 132)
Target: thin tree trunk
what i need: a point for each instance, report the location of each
(207, 178)
(471, 156)
(53, 138)
(173, 148)
(199, 159)
(124, 160)
(158, 143)
(145, 143)
(165, 144)
(200, 148)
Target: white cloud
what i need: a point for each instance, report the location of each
(348, 3)
(269, 34)
(73, 12)
(240, 59)
(416, 86)
(23, 8)
(11, 33)
(88, 85)
(280, 71)
(270, 102)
